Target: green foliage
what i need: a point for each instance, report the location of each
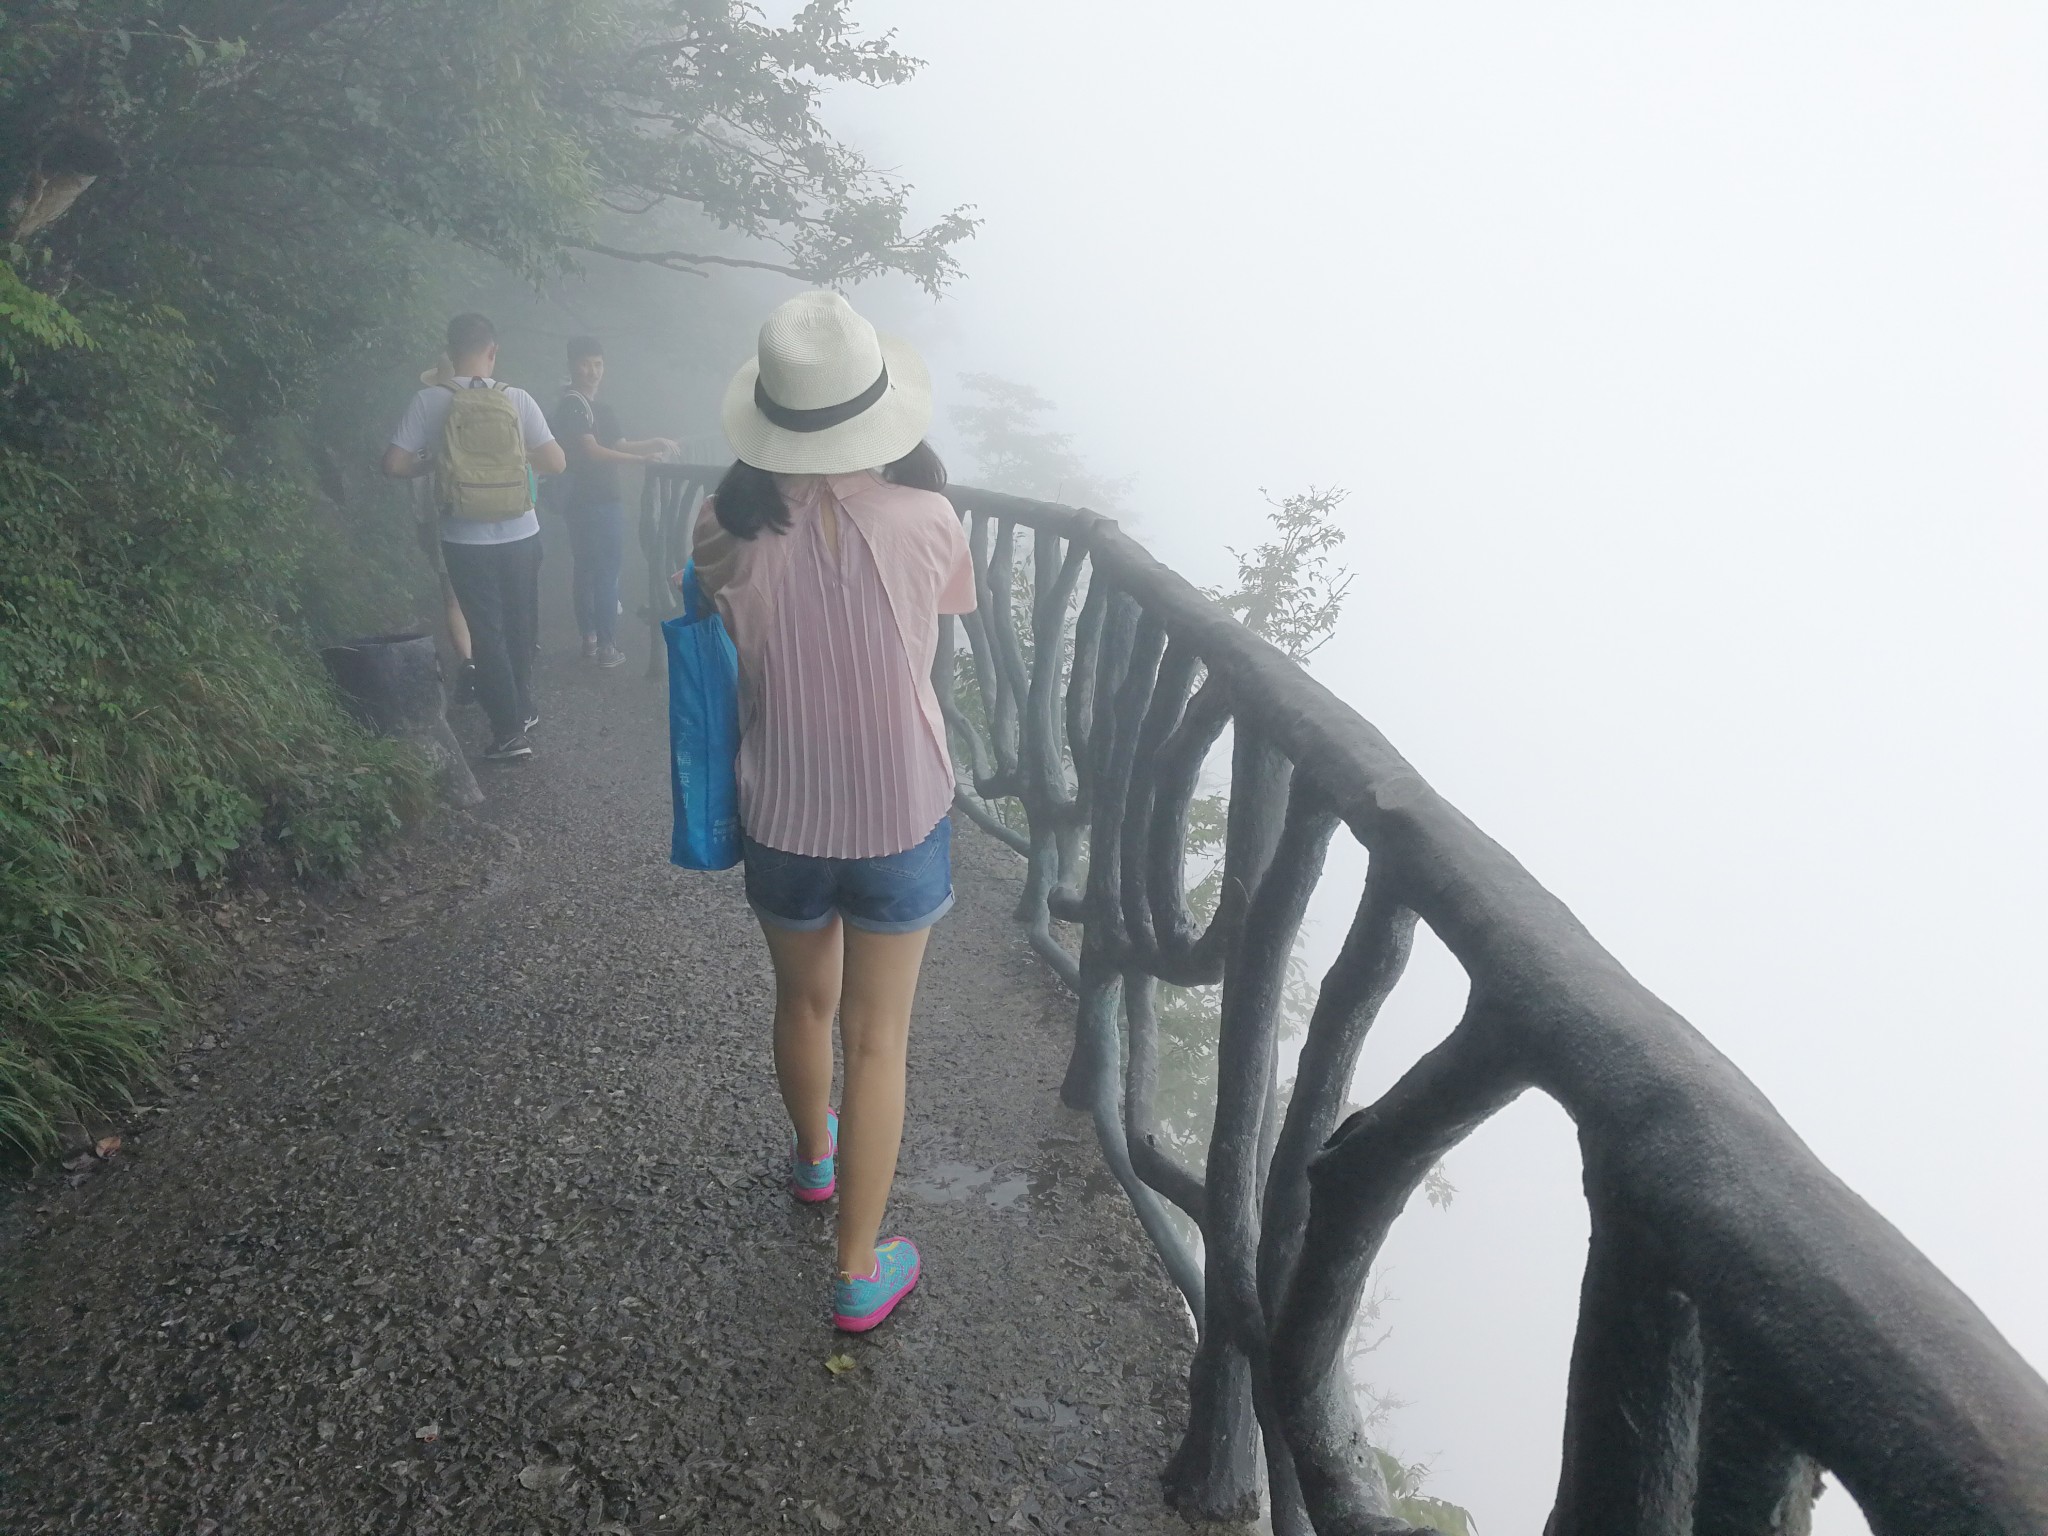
(30, 319)
(159, 720)
(1404, 1481)
(1288, 590)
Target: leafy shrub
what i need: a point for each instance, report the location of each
(162, 714)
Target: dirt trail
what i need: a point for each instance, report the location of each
(484, 1229)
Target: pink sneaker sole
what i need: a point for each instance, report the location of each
(876, 1303)
(816, 1194)
(873, 1319)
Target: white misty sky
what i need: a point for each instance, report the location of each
(1688, 373)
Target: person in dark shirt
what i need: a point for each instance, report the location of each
(591, 499)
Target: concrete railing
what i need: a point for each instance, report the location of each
(1746, 1320)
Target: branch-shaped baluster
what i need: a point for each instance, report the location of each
(1095, 910)
(1045, 770)
(990, 680)
(1081, 688)
(965, 734)
(1113, 783)
(1059, 614)
(1117, 630)
(1183, 957)
(1012, 676)
(1360, 980)
(979, 813)
(1044, 787)
(1215, 1469)
(945, 678)
(1357, 1186)
(1168, 702)
(1752, 1482)
(1632, 1408)
(1092, 1086)
(1141, 1082)
(1002, 584)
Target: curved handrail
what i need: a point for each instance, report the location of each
(1746, 1320)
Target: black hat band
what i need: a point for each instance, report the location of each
(824, 416)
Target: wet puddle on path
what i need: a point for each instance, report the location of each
(954, 1183)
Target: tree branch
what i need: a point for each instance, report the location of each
(687, 261)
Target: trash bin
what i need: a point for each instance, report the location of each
(393, 685)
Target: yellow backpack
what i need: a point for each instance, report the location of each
(480, 470)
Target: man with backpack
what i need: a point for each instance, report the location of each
(480, 439)
(590, 497)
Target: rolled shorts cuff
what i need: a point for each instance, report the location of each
(794, 924)
(908, 925)
(824, 920)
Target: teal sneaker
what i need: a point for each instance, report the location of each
(857, 1305)
(813, 1183)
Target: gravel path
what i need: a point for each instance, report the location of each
(471, 1220)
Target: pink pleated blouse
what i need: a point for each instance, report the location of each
(842, 746)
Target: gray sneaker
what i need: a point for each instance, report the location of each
(510, 749)
(610, 656)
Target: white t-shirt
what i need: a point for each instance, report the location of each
(420, 427)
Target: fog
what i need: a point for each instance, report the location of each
(1687, 372)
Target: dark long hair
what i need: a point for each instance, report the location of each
(747, 499)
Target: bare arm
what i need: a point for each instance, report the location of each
(625, 453)
(548, 459)
(649, 447)
(403, 464)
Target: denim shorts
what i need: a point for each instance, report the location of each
(895, 893)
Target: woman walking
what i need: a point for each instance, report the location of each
(830, 554)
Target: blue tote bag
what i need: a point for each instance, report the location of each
(703, 733)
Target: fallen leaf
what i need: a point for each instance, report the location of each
(544, 1474)
(839, 1365)
(828, 1519)
(428, 1432)
(106, 1146)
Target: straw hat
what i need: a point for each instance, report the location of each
(826, 393)
(442, 373)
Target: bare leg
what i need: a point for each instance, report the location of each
(458, 626)
(807, 970)
(874, 1026)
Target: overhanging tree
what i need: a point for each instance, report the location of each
(533, 130)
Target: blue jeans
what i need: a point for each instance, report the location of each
(597, 539)
(895, 893)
